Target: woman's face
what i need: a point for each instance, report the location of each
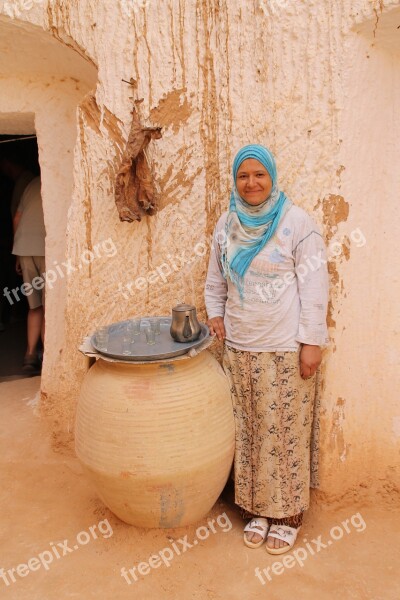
(253, 182)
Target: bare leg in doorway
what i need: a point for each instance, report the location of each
(35, 331)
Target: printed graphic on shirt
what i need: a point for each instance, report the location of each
(265, 274)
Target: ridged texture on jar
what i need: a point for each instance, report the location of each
(157, 440)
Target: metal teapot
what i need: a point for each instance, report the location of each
(184, 324)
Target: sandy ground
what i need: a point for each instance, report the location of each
(45, 500)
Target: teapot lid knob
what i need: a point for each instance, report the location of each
(183, 307)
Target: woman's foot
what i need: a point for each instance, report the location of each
(275, 543)
(31, 363)
(283, 537)
(255, 532)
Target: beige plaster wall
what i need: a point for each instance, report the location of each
(362, 425)
(292, 75)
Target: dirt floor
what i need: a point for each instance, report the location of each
(48, 508)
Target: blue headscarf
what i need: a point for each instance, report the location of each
(248, 228)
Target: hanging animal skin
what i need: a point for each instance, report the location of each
(134, 189)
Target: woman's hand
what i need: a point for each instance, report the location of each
(216, 325)
(310, 359)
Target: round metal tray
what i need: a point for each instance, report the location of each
(165, 346)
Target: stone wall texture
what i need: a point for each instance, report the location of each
(318, 81)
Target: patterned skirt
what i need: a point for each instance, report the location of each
(277, 431)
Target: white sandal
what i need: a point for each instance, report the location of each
(258, 525)
(286, 534)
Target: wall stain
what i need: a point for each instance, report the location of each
(87, 205)
(172, 110)
(91, 116)
(346, 249)
(340, 170)
(101, 122)
(335, 210)
(181, 40)
(329, 319)
(171, 12)
(60, 13)
(149, 241)
(336, 436)
(149, 56)
(378, 16)
(96, 119)
(339, 175)
(208, 21)
(171, 185)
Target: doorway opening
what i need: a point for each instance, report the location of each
(19, 165)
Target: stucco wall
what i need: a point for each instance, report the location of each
(317, 81)
(361, 398)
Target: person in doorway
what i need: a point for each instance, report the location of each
(13, 167)
(29, 248)
(6, 242)
(266, 296)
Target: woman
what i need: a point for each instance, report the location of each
(266, 297)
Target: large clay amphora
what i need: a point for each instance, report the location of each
(156, 440)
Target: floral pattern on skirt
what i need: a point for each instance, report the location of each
(277, 431)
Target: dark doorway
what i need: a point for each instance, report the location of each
(20, 150)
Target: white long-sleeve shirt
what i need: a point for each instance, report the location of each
(285, 289)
